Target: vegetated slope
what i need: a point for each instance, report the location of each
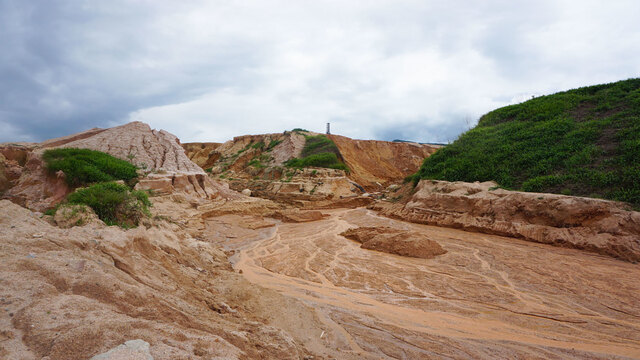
(582, 142)
(371, 163)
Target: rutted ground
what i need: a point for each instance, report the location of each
(488, 296)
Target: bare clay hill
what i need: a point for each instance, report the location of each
(263, 164)
(440, 271)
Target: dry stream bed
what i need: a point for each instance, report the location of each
(487, 297)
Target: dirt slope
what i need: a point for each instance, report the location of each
(377, 164)
(74, 293)
(599, 226)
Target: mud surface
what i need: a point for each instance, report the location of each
(487, 297)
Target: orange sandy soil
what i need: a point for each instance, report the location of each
(487, 297)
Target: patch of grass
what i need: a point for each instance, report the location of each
(115, 204)
(258, 145)
(584, 141)
(83, 166)
(273, 144)
(318, 151)
(326, 160)
(256, 164)
(209, 170)
(318, 144)
(299, 130)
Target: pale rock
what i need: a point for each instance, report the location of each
(130, 350)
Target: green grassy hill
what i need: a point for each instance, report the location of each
(583, 142)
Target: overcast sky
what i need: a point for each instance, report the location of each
(211, 70)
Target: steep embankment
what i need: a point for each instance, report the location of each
(595, 225)
(375, 164)
(581, 142)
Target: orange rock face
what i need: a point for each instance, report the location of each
(203, 154)
(375, 164)
(599, 226)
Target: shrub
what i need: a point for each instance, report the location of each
(326, 160)
(258, 145)
(317, 145)
(115, 204)
(83, 166)
(273, 144)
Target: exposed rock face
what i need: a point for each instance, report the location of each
(137, 143)
(599, 226)
(195, 184)
(302, 187)
(376, 164)
(202, 153)
(395, 241)
(130, 350)
(12, 158)
(75, 293)
(36, 188)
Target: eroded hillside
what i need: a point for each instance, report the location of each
(455, 270)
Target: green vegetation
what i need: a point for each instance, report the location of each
(317, 145)
(584, 142)
(83, 166)
(318, 151)
(115, 204)
(256, 163)
(258, 145)
(326, 160)
(299, 130)
(273, 144)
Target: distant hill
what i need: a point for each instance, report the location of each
(583, 142)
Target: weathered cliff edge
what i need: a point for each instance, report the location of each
(376, 164)
(599, 226)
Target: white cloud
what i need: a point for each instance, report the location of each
(209, 71)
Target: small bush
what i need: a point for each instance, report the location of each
(115, 204)
(83, 166)
(273, 144)
(258, 145)
(326, 160)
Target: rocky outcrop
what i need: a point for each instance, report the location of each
(376, 164)
(198, 185)
(153, 150)
(599, 226)
(24, 179)
(130, 350)
(37, 189)
(202, 154)
(68, 216)
(395, 241)
(302, 186)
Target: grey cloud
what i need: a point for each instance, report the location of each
(211, 70)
